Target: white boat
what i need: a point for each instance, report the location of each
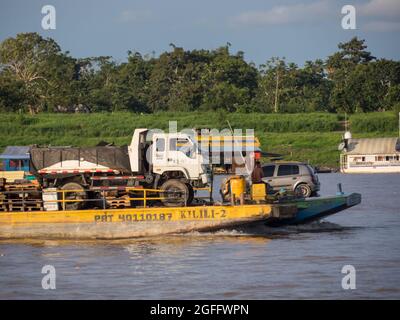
(370, 155)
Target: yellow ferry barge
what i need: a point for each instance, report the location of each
(135, 222)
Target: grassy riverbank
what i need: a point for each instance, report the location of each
(309, 137)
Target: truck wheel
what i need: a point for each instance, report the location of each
(174, 193)
(303, 190)
(77, 193)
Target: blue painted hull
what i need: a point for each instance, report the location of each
(316, 208)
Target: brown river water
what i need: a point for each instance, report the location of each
(303, 262)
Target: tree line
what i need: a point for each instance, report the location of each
(37, 76)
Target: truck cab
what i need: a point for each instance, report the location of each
(178, 152)
(171, 162)
(168, 154)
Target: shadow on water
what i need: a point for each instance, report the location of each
(313, 227)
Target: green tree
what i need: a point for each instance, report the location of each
(36, 75)
(12, 94)
(287, 88)
(131, 85)
(340, 67)
(40, 66)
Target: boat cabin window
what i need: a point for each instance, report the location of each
(392, 158)
(379, 158)
(287, 170)
(268, 171)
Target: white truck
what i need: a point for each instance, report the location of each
(171, 162)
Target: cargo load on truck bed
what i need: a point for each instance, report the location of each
(100, 158)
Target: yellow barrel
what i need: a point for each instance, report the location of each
(238, 186)
(258, 191)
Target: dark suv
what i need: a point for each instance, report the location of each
(298, 177)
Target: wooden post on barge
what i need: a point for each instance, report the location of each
(104, 199)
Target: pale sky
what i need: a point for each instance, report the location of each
(298, 30)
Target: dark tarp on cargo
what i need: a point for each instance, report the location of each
(115, 158)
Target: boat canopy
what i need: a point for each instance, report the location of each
(16, 153)
(373, 146)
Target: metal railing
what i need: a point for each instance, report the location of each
(62, 196)
(104, 199)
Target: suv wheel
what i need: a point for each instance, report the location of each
(303, 190)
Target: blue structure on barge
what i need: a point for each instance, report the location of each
(16, 158)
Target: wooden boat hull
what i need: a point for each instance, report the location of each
(312, 209)
(135, 222)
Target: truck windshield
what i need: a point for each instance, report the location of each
(183, 145)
